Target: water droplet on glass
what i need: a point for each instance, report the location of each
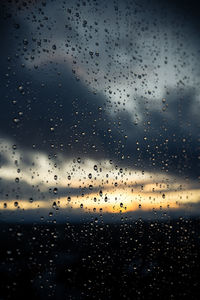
(55, 190)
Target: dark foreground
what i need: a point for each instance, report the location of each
(139, 260)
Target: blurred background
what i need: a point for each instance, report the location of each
(99, 149)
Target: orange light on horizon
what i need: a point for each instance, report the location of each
(111, 201)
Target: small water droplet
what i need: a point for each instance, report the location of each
(55, 190)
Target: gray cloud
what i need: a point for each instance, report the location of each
(45, 105)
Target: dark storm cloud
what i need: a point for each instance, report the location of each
(78, 216)
(81, 126)
(71, 111)
(13, 189)
(169, 136)
(58, 113)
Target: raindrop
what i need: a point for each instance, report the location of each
(55, 190)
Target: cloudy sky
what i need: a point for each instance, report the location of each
(99, 106)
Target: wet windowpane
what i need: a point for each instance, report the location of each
(99, 149)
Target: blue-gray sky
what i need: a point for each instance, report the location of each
(102, 80)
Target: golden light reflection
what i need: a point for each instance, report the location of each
(112, 201)
(87, 184)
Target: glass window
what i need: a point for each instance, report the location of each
(99, 149)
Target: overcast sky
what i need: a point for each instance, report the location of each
(100, 81)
